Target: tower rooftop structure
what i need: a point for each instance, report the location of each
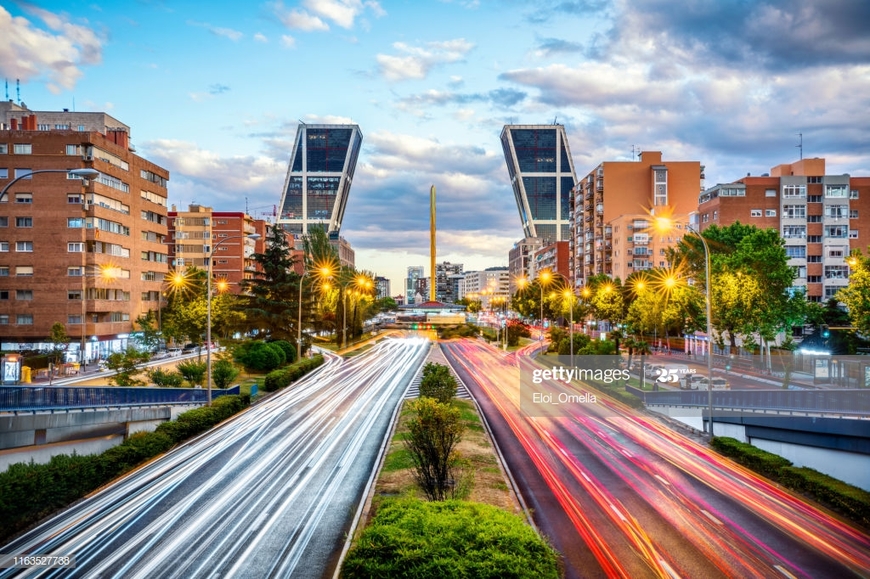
(542, 176)
(319, 178)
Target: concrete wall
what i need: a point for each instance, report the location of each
(39, 436)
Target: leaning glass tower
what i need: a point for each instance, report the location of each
(542, 176)
(319, 177)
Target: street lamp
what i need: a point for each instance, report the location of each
(325, 272)
(569, 294)
(84, 173)
(664, 224)
(208, 309)
(544, 278)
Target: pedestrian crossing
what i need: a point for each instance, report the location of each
(414, 389)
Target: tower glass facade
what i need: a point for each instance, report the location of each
(542, 176)
(319, 177)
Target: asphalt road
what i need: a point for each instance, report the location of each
(621, 495)
(270, 493)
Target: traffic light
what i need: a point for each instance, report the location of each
(826, 333)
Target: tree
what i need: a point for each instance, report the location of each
(437, 383)
(434, 430)
(184, 316)
(223, 373)
(516, 330)
(856, 295)
(59, 344)
(271, 306)
(149, 336)
(193, 371)
(126, 366)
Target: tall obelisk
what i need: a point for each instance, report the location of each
(432, 243)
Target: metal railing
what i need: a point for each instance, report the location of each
(829, 401)
(34, 398)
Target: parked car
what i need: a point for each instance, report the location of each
(189, 348)
(719, 383)
(174, 351)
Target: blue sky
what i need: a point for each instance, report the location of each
(214, 92)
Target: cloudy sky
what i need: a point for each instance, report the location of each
(214, 92)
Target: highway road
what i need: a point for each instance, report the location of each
(270, 493)
(621, 495)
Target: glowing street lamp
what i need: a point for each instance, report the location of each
(324, 272)
(544, 278)
(664, 224)
(568, 294)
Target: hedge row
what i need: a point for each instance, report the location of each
(277, 379)
(445, 539)
(849, 500)
(30, 491)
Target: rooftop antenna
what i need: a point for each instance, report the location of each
(554, 119)
(18, 90)
(7, 89)
(800, 145)
(246, 205)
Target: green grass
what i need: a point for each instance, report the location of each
(398, 460)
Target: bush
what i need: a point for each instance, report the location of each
(437, 383)
(164, 378)
(433, 433)
(761, 461)
(413, 538)
(223, 372)
(259, 356)
(464, 331)
(282, 378)
(193, 371)
(287, 348)
(138, 448)
(847, 499)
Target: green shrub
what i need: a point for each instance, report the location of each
(166, 378)
(193, 371)
(437, 383)
(223, 372)
(287, 348)
(259, 356)
(761, 461)
(847, 499)
(413, 538)
(138, 448)
(282, 378)
(434, 430)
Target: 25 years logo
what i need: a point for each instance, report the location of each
(668, 375)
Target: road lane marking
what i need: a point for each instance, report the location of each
(711, 517)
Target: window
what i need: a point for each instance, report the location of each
(25, 246)
(4, 319)
(24, 319)
(814, 279)
(75, 222)
(794, 211)
(755, 212)
(4, 222)
(853, 234)
(75, 271)
(24, 270)
(814, 238)
(24, 197)
(22, 148)
(800, 271)
(815, 179)
(73, 150)
(795, 251)
(4, 246)
(794, 190)
(715, 214)
(4, 271)
(853, 214)
(75, 295)
(24, 222)
(814, 259)
(4, 295)
(836, 211)
(836, 190)
(814, 218)
(836, 253)
(74, 198)
(792, 231)
(770, 212)
(814, 198)
(43, 127)
(23, 173)
(24, 295)
(4, 173)
(74, 320)
(853, 194)
(836, 231)
(75, 247)
(770, 192)
(4, 149)
(836, 272)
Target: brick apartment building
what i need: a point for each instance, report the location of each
(89, 254)
(200, 230)
(555, 257)
(612, 204)
(817, 215)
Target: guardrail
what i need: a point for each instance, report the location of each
(837, 401)
(32, 398)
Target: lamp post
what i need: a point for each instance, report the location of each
(325, 272)
(208, 309)
(570, 295)
(542, 279)
(83, 173)
(664, 224)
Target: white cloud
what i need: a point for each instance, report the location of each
(26, 52)
(288, 41)
(233, 35)
(260, 37)
(343, 12)
(417, 61)
(301, 20)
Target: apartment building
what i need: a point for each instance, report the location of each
(612, 206)
(415, 273)
(490, 286)
(195, 233)
(817, 215)
(521, 263)
(554, 257)
(446, 275)
(88, 253)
